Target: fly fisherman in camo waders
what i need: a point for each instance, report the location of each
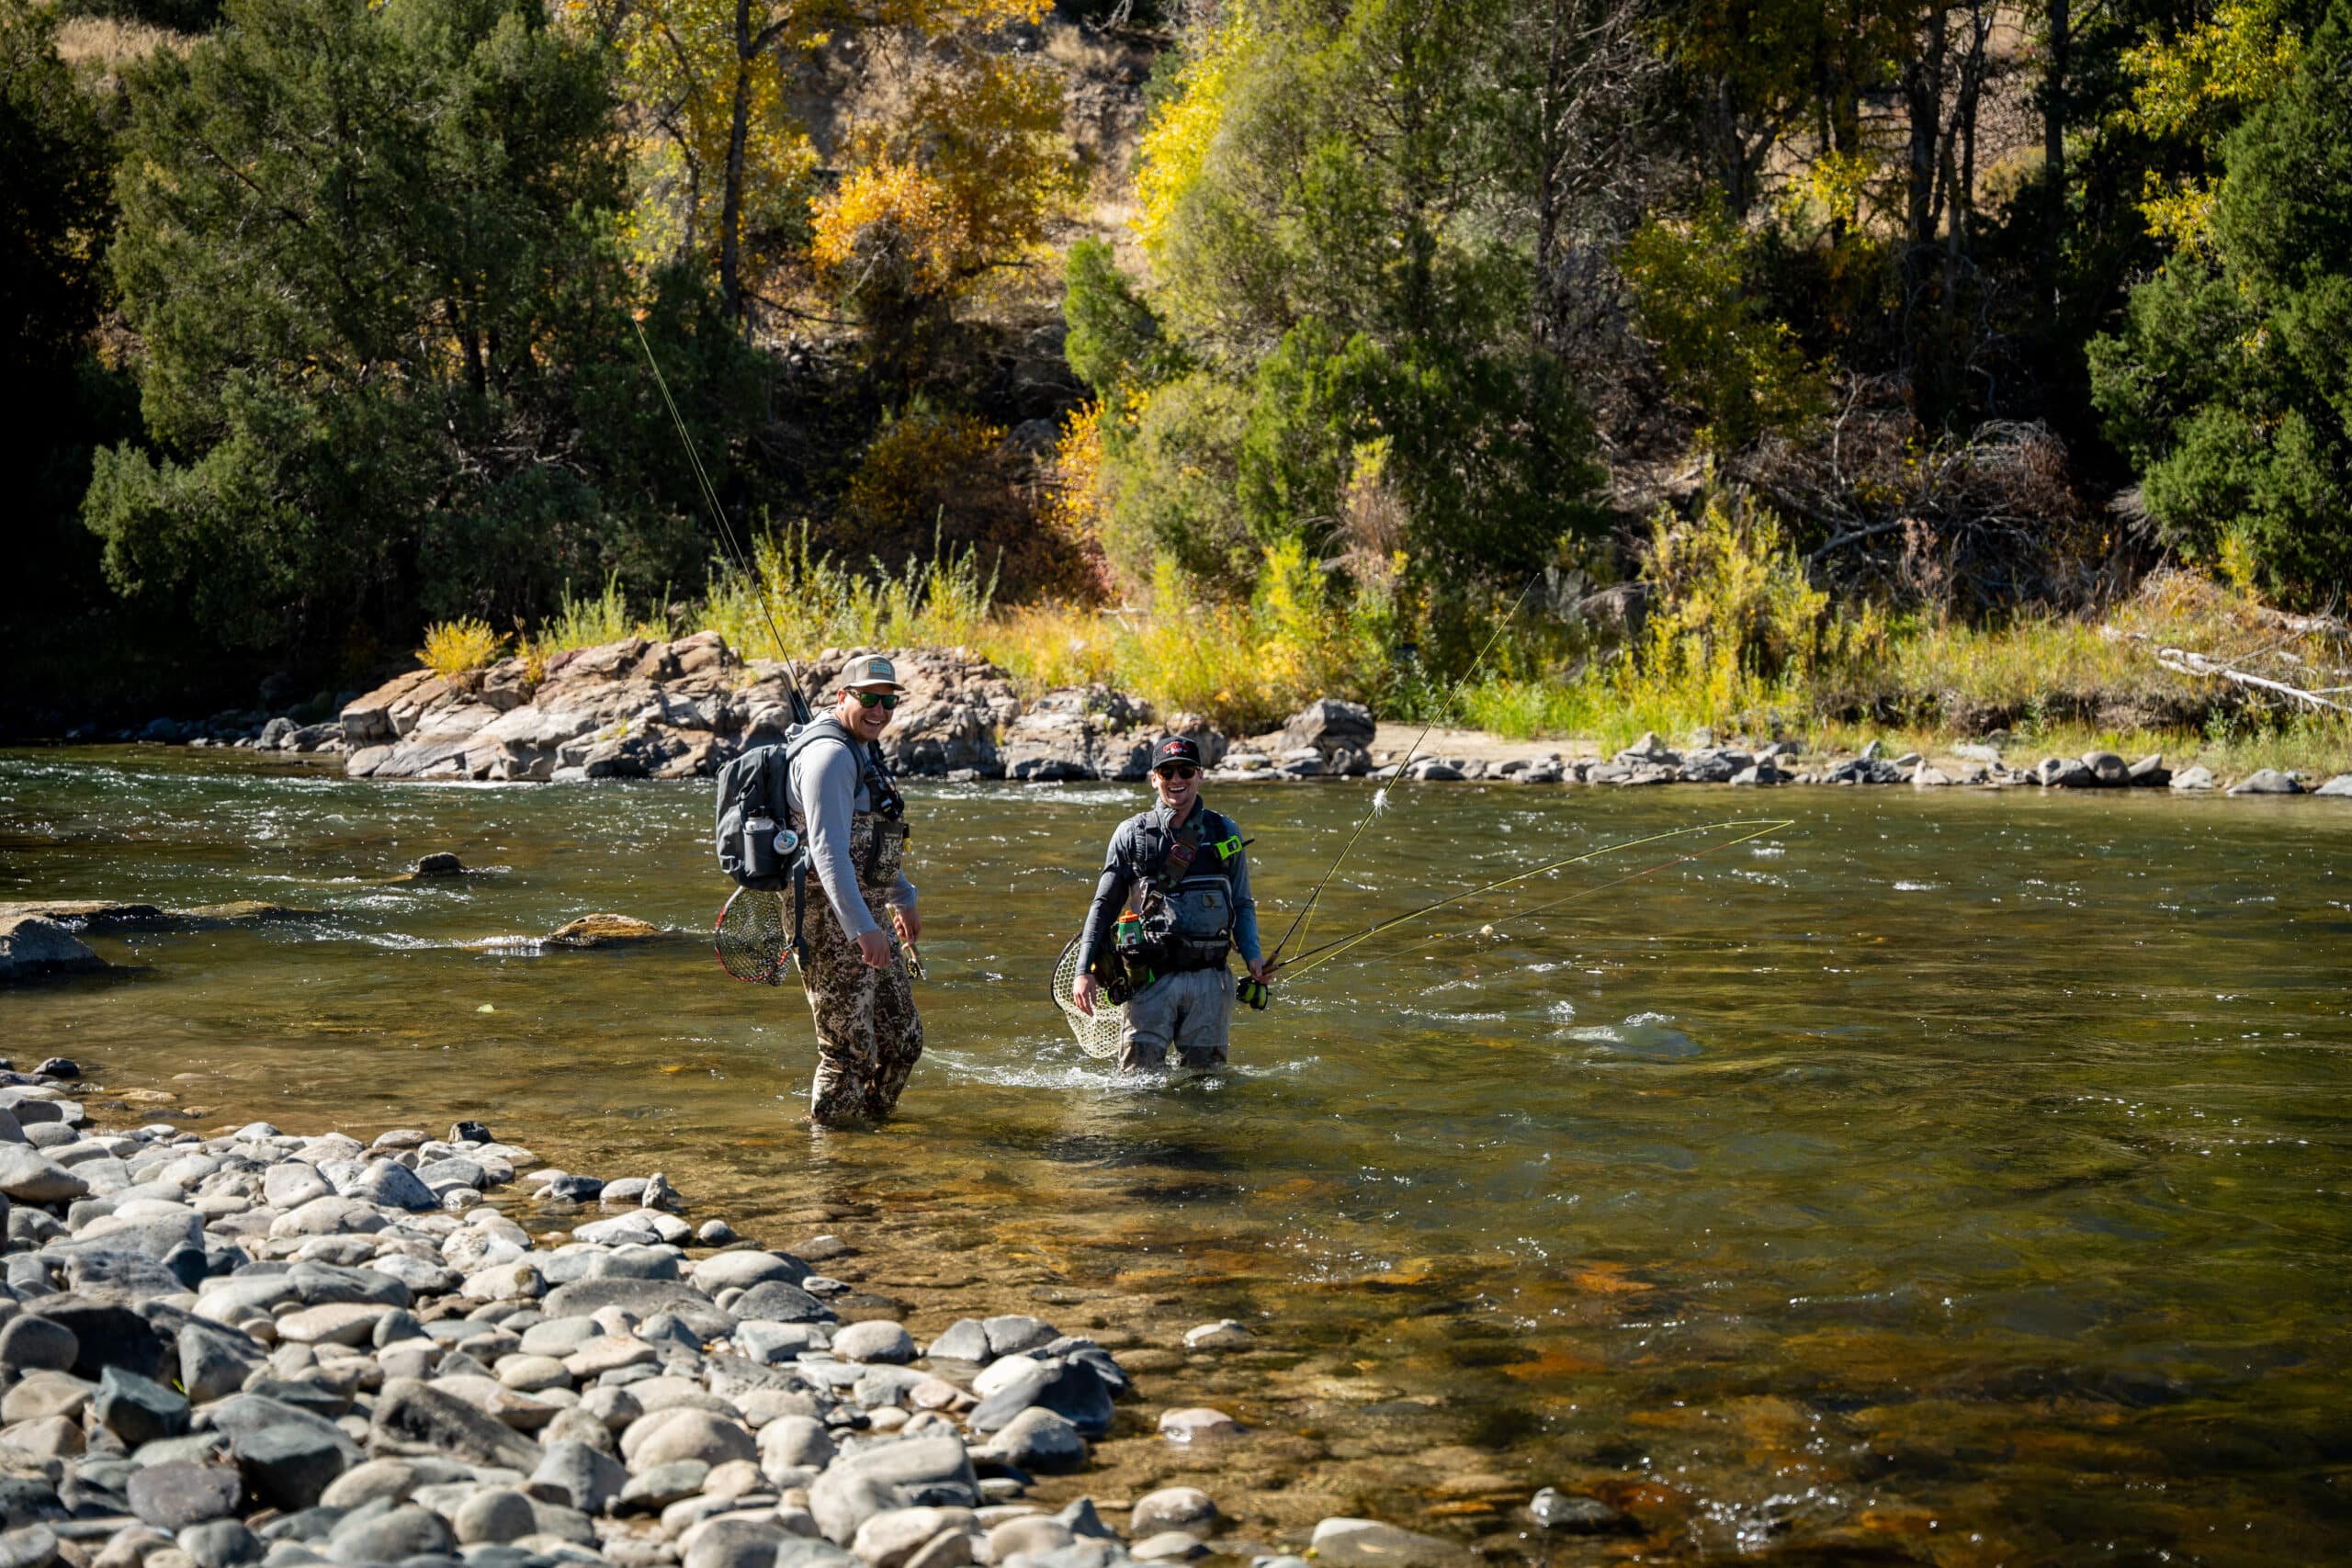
(1190, 907)
(845, 807)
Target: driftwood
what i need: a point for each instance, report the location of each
(2182, 662)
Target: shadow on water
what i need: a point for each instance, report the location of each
(1953, 1178)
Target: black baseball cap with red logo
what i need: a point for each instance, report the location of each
(1175, 748)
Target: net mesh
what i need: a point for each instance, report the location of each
(754, 940)
(1098, 1035)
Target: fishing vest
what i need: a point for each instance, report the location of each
(1185, 919)
(879, 835)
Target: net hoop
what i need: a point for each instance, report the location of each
(750, 938)
(1097, 1037)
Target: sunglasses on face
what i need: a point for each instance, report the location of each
(1180, 773)
(885, 701)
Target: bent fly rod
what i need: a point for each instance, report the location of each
(1380, 797)
(1760, 828)
(726, 528)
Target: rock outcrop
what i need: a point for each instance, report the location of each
(641, 709)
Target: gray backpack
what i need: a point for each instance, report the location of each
(756, 846)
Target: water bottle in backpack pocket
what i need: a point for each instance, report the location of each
(754, 846)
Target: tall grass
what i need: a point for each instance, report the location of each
(1244, 667)
(1735, 640)
(815, 602)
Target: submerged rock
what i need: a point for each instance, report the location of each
(33, 945)
(603, 931)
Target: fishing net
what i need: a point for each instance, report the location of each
(1099, 1035)
(753, 939)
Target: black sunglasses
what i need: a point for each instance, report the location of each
(1180, 772)
(887, 701)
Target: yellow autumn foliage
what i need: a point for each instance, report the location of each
(959, 180)
(1175, 145)
(2232, 61)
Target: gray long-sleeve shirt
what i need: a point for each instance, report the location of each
(1137, 848)
(828, 786)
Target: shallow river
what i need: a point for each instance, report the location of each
(1950, 1176)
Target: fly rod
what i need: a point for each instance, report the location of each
(1380, 797)
(1761, 827)
(726, 529)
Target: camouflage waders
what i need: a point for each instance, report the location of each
(868, 1033)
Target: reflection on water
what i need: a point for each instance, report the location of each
(1953, 1178)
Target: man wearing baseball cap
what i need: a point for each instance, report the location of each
(844, 806)
(1190, 907)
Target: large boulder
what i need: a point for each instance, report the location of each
(35, 945)
(1340, 733)
(1081, 732)
(950, 717)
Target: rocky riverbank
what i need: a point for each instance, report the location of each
(261, 1346)
(642, 709)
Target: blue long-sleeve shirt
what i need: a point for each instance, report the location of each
(828, 786)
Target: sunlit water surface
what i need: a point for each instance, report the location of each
(1949, 1178)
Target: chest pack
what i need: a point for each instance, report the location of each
(1185, 919)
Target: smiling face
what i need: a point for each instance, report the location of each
(1178, 785)
(864, 723)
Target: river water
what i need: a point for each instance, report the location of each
(1948, 1176)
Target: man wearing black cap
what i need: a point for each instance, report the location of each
(1192, 910)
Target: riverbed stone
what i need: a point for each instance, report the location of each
(1369, 1543)
(732, 1543)
(387, 1535)
(289, 1466)
(1570, 1513)
(1028, 1532)
(175, 1495)
(873, 1341)
(30, 1176)
(773, 1301)
(590, 1478)
(794, 1442)
(1186, 1508)
(1197, 1425)
(655, 1487)
(1038, 1440)
(221, 1543)
(2337, 788)
(39, 1395)
(965, 1339)
(2262, 781)
(336, 1323)
(893, 1538)
(138, 1410)
(741, 1270)
(38, 1344)
(413, 1416)
(663, 1436)
(1226, 1334)
(389, 1184)
(497, 1514)
(214, 1361)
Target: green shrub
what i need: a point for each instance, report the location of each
(2229, 387)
